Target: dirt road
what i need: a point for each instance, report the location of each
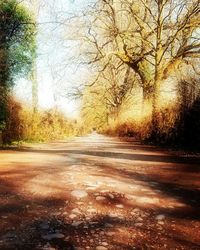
(97, 192)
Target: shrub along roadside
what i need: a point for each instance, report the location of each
(178, 128)
(22, 124)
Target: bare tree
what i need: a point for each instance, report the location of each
(153, 38)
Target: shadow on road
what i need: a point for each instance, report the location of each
(132, 156)
(27, 221)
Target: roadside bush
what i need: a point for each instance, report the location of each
(12, 130)
(189, 126)
(168, 120)
(22, 124)
(139, 130)
(179, 127)
(46, 125)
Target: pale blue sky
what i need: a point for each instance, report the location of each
(55, 75)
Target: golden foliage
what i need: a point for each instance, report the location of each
(24, 125)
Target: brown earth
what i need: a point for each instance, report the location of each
(98, 192)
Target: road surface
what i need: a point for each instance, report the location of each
(97, 192)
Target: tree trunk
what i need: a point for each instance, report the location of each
(34, 89)
(156, 105)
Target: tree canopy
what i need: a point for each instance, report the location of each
(17, 46)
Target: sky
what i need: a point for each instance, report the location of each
(55, 75)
